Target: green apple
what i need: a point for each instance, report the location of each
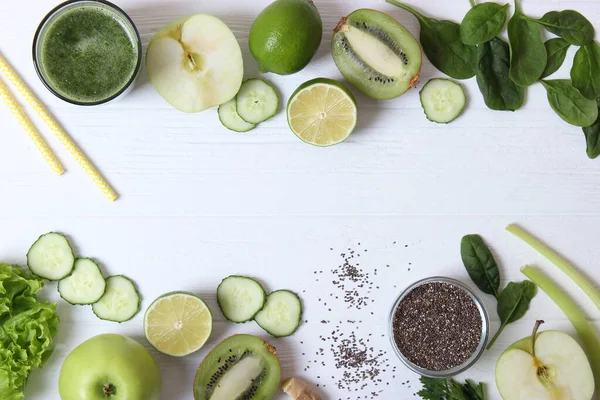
(109, 366)
(545, 366)
(195, 63)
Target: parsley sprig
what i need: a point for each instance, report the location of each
(449, 389)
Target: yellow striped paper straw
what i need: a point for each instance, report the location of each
(33, 134)
(58, 131)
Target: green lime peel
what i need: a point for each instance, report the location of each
(585, 285)
(591, 341)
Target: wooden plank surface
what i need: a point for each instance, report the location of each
(199, 203)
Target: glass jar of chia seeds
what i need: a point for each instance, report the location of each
(438, 327)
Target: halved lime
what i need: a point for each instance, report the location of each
(177, 323)
(322, 112)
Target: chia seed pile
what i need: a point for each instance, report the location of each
(354, 284)
(437, 326)
(360, 364)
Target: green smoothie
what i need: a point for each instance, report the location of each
(88, 54)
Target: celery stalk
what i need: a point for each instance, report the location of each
(591, 341)
(581, 281)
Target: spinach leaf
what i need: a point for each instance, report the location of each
(585, 73)
(493, 78)
(527, 52)
(442, 45)
(592, 137)
(569, 104)
(483, 23)
(480, 264)
(557, 51)
(569, 25)
(513, 303)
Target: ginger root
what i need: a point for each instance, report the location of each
(298, 389)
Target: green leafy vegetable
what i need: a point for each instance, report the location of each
(493, 78)
(527, 52)
(585, 73)
(569, 25)
(28, 329)
(588, 287)
(556, 49)
(474, 392)
(483, 23)
(449, 389)
(480, 264)
(513, 303)
(592, 137)
(591, 342)
(569, 103)
(442, 45)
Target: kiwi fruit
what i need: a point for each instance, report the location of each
(241, 367)
(376, 54)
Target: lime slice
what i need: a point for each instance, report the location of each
(322, 112)
(177, 324)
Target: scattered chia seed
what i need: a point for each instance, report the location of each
(360, 364)
(360, 369)
(437, 326)
(354, 282)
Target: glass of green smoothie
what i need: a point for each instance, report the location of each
(87, 52)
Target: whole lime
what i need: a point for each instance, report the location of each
(285, 36)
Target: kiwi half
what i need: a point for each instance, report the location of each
(242, 367)
(376, 54)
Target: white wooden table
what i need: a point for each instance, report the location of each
(199, 202)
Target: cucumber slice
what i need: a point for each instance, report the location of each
(240, 298)
(281, 315)
(443, 100)
(85, 285)
(120, 302)
(231, 119)
(51, 257)
(256, 101)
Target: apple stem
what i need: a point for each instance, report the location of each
(542, 370)
(109, 389)
(534, 335)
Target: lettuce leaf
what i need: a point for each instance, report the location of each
(27, 329)
(17, 290)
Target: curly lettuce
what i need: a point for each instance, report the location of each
(27, 329)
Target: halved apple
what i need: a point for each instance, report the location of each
(195, 63)
(552, 366)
